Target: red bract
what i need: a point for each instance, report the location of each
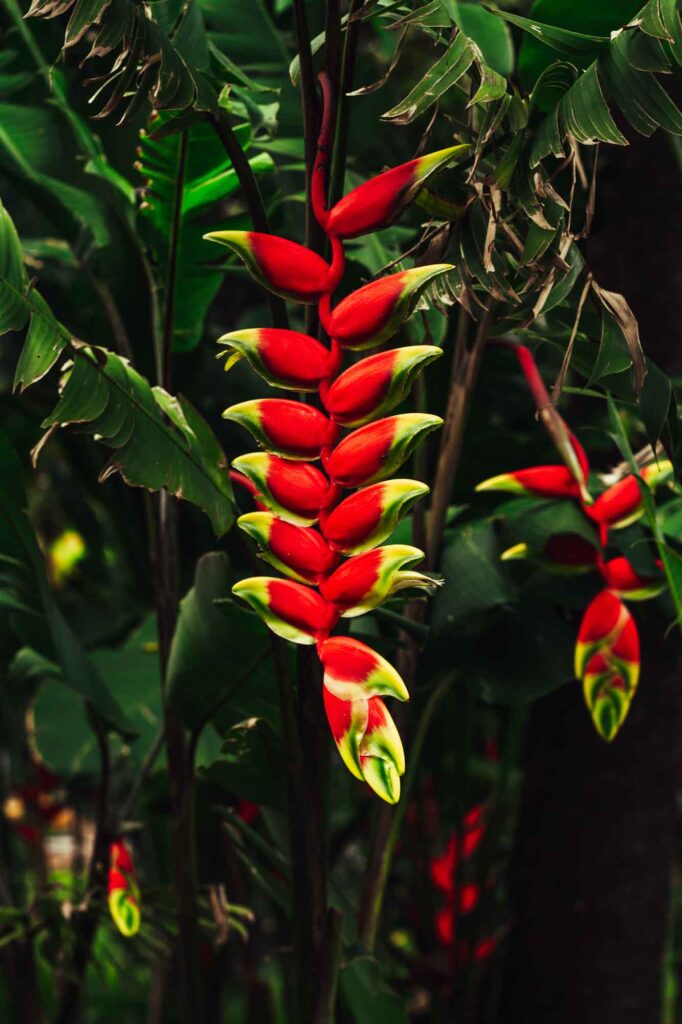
(293, 495)
(621, 504)
(622, 579)
(122, 891)
(285, 267)
(285, 359)
(544, 481)
(378, 202)
(284, 427)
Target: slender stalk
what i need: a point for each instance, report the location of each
(466, 365)
(347, 71)
(252, 197)
(86, 920)
(165, 354)
(375, 889)
(314, 237)
(142, 776)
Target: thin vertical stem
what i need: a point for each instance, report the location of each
(165, 355)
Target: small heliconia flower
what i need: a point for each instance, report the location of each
(366, 581)
(373, 314)
(283, 267)
(563, 553)
(284, 427)
(608, 694)
(368, 517)
(375, 385)
(285, 359)
(621, 504)
(294, 490)
(622, 579)
(122, 891)
(298, 551)
(291, 610)
(379, 201)
(543, 481)
(352, 670)
(603, 624)
(377, 450)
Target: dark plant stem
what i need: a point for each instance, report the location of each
(164, 366)
(143, 774)
(314, 237)
(465, 366)
(389, 823)
(252, 197)
(347, 71)
(86, 919)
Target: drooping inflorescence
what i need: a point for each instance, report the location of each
(325, 503)
(607, 655)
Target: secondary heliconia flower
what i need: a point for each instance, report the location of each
(285, 359)
(286, 268)
(378, 202)
(563, 552)
(544, 481)
(291, 610)
(366, 581)
(373, 314)
(352, 670)
(122, 890)
(622, 579)
(621, 504)
(368, 742)
(298, 551)
(378, 449)
(375, 385)
(288, 428)
(296, 491)
(368, 517)
(292, 495)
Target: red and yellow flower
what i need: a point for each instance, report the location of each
(122, 890)
(306, 525)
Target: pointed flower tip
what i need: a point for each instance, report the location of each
(229, 238)
(502, 482)
(517, 551)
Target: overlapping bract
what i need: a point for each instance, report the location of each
(327, 543)
(607, 657)
(122, 890)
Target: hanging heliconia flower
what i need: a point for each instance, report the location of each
(122, 890)
(607, 652)
(327, 543)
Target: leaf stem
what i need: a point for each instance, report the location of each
(165, 355)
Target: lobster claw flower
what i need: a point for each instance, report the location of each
(377, 450)
(285, 359)
(352, 670)
(378, 202)
(285, 427)
(607, 660)
(366, 581)
(543, 481)
(621, 504)
(368, 517)
(284, 267)
(622, 579)
(563, 553)
(122, 891)
(375, 385)
(291, 610)
(298, 551)
(372, 314)
(294, 490)
(368, 742)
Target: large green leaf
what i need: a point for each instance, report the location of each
(159, 441)
(440, 77)
(185, 173)
(216, 647)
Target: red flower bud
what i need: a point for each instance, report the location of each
(368, 517)
(293, 429)
(622, 579)
(376, 384)
(368, 742)
(367, 580)
(621, 504)
(373, 314)
(285, 359)
(377, 450)
(378, 202)
(285, 268)
(298, 551)
(291, 610)
(545, 481)
(294, 490)
(352, 671)
(122, 890)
